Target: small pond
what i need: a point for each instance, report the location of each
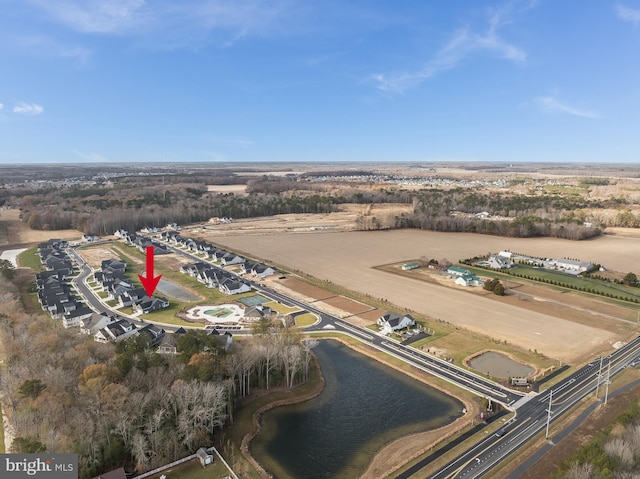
(499, 365)
(176, 291)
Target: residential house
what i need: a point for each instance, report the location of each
(113, 265)
(262, 271)
(92, 325)
(499, 262)
(150, 304)
(154, 333)
(132, 296)
(116, 331)
(230, 286)
(76, 318)
(457, 271)
(391, 322)
(230, 259)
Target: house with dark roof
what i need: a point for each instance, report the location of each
(116, 331)
(154, 333)
(76, 318)
(132, 296)
(230, 259)
(150, 304)
(230, 286)
(262, 271)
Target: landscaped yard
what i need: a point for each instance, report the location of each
(582, 284)
(280, 308)
(30, 259)
(306, 319)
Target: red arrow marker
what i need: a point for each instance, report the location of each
(149, 282)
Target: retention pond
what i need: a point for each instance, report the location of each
(499, 365)
(364, 406)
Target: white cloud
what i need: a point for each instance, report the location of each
(1, 106)
(28, 108)
(97, 16)
(464, 44)
(92, 157)
(45, 46)
(551, 104)
(628, 14)
(167, 23)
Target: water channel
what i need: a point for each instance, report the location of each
(364, 406)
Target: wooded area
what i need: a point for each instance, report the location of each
(125, 404)
(134, 202)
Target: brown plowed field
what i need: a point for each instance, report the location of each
(348, 260)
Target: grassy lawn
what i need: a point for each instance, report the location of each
(30, 259)
(168, 316)
(194, 470)
(102, 294)
(4, 238)
(628, 293)
(280, 308)
(306, 319)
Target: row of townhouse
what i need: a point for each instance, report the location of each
(111, 328)
(218, 255)
(112, 280)
(140, 242)
(54, 294)
(213, 277)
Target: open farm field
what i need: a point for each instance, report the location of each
(226, 189)
(13, 231)
(348, 260)
(344, 219)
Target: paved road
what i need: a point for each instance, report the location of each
(532, 416)
(481, 458)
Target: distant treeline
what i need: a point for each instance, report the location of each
(134, 202)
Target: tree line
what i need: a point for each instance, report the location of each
(134, 202)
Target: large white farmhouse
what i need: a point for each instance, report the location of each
(391, 322)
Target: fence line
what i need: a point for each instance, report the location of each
(183, 460)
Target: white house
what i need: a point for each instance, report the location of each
(231, 258)
(230, 286)
(499, 262)
(391, 322)
(506, 254)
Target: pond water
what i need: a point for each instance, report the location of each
(499, 365)
(176, 291)
(363, 406)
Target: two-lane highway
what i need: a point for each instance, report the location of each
(532, 416)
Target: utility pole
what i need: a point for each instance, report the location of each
(546, 436)
(606, 394)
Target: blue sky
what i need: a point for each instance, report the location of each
(319, 80)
